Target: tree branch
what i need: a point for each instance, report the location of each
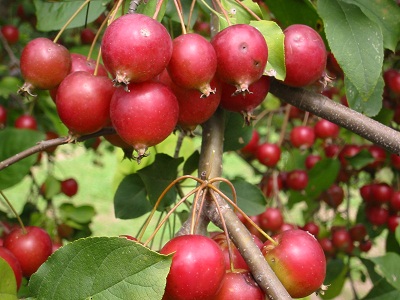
(339, 114)
(43, 145)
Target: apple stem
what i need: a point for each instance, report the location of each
(190, 14)
(179, 11)
(70, 20)
(14, 212)
(248, 10)
(284, 124)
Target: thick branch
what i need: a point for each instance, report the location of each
(43, 145)
(339, 114)
(211, 164)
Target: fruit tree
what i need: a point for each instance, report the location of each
(262, 139)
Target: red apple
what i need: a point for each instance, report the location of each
(31, 248)
(197, 268)
(298, 261)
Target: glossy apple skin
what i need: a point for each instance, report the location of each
(239, 285)
(10, 258)
(193, 62)
(240, 43)
(144, 127)
(83, 102)
(31, 249)
(136, 48)
(305, 55)
(197, 268)
(298, 261)
(44, 64)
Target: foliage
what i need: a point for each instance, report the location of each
(363, 36)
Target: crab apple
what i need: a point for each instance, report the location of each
(251, 147)
(83, 102)
(192, 109)
(379, 156)
(393, 222)
(324, 129)
(341, 239)
(10, 33)
(327, 246)
(365, 192)
(197, 268)
(135, 48)
(271, 219)
(31, 247)
(394, 201)
(268, 154)
(236, 261)
(395, 161)
(69, 187)
(193, 63)
(239, 285)
(242, 55)
(26, 122)
(331, 150)
(392, 80)
(287, 226)
(312, 228)
(137, 122)
(44, 64)
(3, 116)
(297, 180)
(13, 262)
(348, 151)
(311, 160)
(302, 136)
(271, 185)
(333, 196)
(377, 215)
(381, 192)
(297, 260)
(365, 246)
(244, 102)
(87, 36)
(80, 62)
(358, 232)
(305, 55)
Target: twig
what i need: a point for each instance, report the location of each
(339, 114)
(43, 145)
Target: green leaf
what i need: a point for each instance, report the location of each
(397, 234)
(318, 182)
(102, 268)
(8, 284)
(192, 163)
(16, 141)
(357, 43)
(382, 290)
(237, 14)
(249, 197)
(158, 176)
(386, 13)
(130, 199)
(52, 187)
(370, 106)
(335, 278)
(290, 12)
(388, 266)
(392, 244)
(236, 134)
(274, 37)
(53, 15)
(81, 214)
(361, 159)
(8, 85)
(149, 8)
